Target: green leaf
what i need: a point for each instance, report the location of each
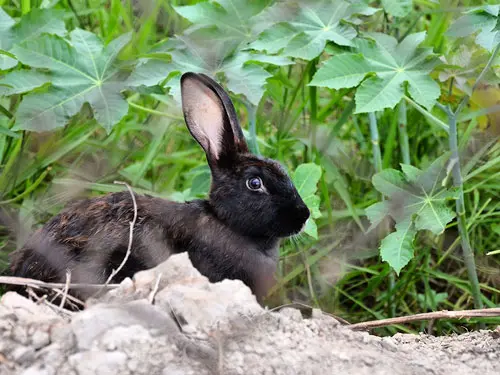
(6, 24)
(311, 228)
(375, 94)
(342, 71)
(275, 38)
(305, 179)
(31, 25)
(412, 173)
(236, 19)
(310, 26)
(377, 212)
(398, 8)
(481, 20)
(243, 70)
(393, 64)
(21, 81)
(417, 195)
(397, 248)
(81, 72)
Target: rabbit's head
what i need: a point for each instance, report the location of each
(250, 194)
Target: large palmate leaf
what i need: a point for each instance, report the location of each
(393, 64)
(311, 26)
(416, 200)
(236, 19)
(81, 72)
(30, 26)
(242, 69)
(306, 178)
(484, 19)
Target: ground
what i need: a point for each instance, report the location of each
(171, 320)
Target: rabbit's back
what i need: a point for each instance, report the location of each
(90, 238)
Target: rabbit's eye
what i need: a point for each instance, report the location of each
(254, 183)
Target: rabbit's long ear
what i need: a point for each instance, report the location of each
(211, 119)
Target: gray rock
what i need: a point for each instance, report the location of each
(99, 363)
(222, 330)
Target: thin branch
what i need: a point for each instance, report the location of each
(70, 299)
(23, 281)
(131, 234)
(155, 289)
(43, 300)
(463, 314)
(66, 289)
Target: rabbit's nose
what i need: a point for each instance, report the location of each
(303, 211)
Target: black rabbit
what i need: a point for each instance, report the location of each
(234, 234)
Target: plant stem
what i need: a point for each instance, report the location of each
(377, 158)
(313, 95)
(252, 127)
(427, 114)
(377, 163)
(6, 112)
(25, 6)
(468, 252)
(154, 112)
(404, 143)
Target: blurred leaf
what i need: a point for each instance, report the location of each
(398, 8)
(312, 25)
(416, 200)
(242, 69)
(235, 18)
(81, 72)
(397, 248)
(31, 25)
(431, 302)
(393, 64)
(306, 178)
(483, 19)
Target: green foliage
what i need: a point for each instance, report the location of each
(484, 19)
(311, 26)
(417, 200)
(81, 72)
(233, 19)
(306, 178)
(31, 25)
(243, 70)
(393, 64)
(398, 8)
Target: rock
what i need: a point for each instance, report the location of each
(201, 304)
(222, 330)
(91, 324)
(99, 363)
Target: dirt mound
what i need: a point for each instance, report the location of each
(171, 321)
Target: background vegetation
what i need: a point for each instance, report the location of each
(385, 113)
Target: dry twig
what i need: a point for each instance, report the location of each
(66, 289)
(14, 280)
(43, 300)
(131, 234)
(155, 289)
(463, 314)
